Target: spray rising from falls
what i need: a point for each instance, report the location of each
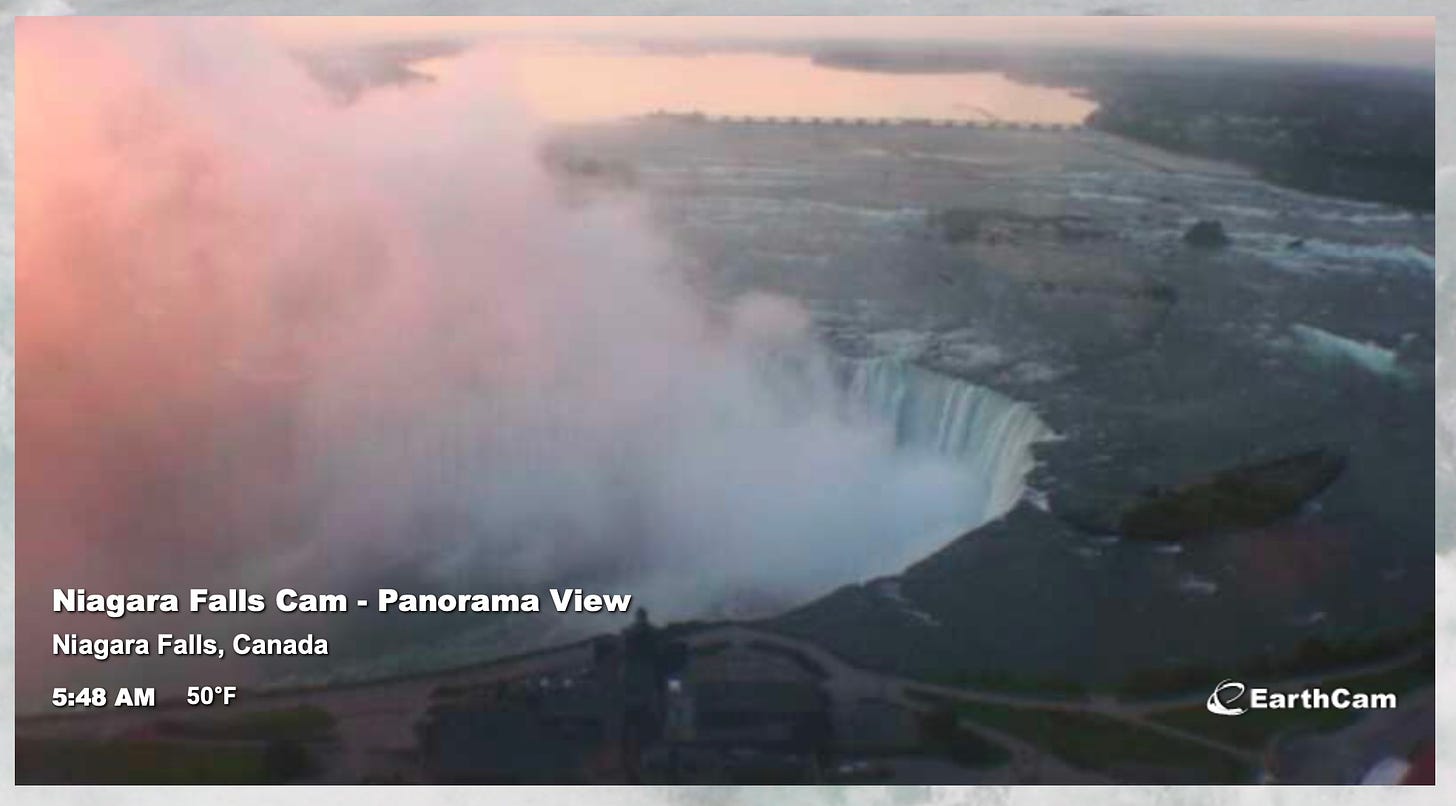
(756, 481)
(344, 346)
(804, 472)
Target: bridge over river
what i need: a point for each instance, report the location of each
(825, 120)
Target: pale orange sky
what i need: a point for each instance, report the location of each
(1405, 40)
(572, 83)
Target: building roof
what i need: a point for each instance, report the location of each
(508, 746)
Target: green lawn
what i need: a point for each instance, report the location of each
(1103, 744)
(93, 761)
(943, 736)
(1255, 728)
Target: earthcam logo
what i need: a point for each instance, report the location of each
(1224, 695)
(1232, 698)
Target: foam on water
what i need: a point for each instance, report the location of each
(1327, 346)
(1312, 255)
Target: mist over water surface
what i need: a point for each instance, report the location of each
(269, 339)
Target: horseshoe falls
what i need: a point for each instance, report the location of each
(988, 432)
(985, 433)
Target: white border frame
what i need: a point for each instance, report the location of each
(1444, 792)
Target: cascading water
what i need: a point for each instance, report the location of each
(875, 464)
(986, 430)
(989, 434)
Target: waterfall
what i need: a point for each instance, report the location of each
(982, 428)
(753, 486)
(985, 431)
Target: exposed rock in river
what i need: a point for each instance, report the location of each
(1206, 235)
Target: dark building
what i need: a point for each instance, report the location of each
(742, 715)
(509, 747)
(577, 725)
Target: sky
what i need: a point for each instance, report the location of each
(1390, 40)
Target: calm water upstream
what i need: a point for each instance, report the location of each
(579, 83)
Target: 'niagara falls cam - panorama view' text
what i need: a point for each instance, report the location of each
(725, 400)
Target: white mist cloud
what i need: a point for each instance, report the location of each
(269, 338)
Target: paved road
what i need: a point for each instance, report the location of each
(1296, 683)
(851, 683)
(847, 680)
(379, 719)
